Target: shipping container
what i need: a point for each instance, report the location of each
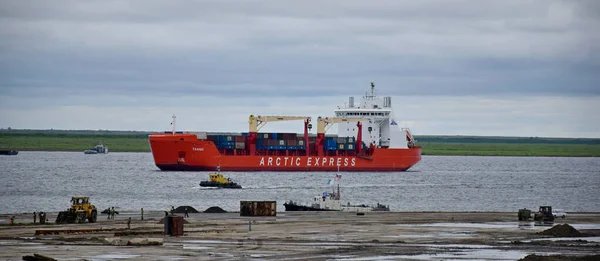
(350, 139)
(173, 225)
(258, 208)
(350, 146)
(281, 143)
(240, 145)
(300, 143)
(330, 148)
(341, 146)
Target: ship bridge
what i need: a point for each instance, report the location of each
(382, 129)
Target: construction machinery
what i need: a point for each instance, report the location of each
(80, 210)
(524, 214)
(544, 214)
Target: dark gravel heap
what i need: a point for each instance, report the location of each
(563, 230)
(214, 210)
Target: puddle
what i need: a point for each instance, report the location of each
(501, 225)
(411, 236)
(457, 234)
(464, 225)
(114, 256)
(483, 255)
(34, 247)
(171, 258)
(589, 239)
(457, 246)
(207, 241)
(337, 243)
(196, 247)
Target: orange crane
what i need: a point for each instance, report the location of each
(257, 122)
(324, 123)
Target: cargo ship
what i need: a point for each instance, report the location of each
(368, 140)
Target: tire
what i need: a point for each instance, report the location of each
(93, 217)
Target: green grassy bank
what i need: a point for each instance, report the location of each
(74, 142)
(432, 145)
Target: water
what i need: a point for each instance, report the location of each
(45, 181)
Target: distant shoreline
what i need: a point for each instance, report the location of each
(117, 141)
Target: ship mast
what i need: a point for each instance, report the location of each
(173, 124)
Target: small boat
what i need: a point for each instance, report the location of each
(331, 202)
(9, 152)
(218, 180)
(99, 149)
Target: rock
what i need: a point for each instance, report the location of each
(145, 241)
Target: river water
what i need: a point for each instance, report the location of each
(45, 181)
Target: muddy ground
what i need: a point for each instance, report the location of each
(306, 236)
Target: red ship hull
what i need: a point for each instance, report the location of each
(185, 152)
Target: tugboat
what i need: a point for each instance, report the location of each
(99, 149)
(331, 202)
(218, 180)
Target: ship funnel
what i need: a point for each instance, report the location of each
(387, 102)
(351, 102)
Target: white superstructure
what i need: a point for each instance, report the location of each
(382, 129)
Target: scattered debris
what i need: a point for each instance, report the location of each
(131, 233)
(70, 231)
(145, 242)
(215, 210)
(117, 241)
(563, 230)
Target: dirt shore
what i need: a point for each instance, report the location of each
(303, 236)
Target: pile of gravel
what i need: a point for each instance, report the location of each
(563, 230)
(215, 210)
(181, 209)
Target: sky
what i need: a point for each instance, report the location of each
(488, 68)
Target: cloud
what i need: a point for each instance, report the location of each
(64, 55)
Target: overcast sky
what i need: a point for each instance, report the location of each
(510, 68)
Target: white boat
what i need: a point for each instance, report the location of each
(330, 201)
(99, 149)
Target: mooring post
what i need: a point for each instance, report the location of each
(249, 226)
